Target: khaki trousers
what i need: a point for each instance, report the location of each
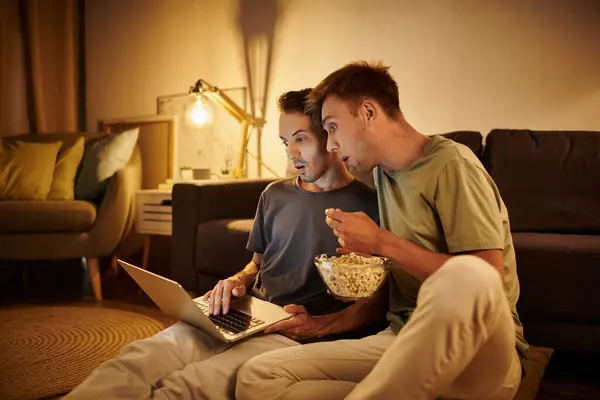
(459, 343)
(180, 362)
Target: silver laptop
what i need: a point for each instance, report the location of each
(247, 315)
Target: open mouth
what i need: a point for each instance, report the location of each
(299, 168)
(345, 160)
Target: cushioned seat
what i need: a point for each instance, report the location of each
(215, 241)
(535, 365)
(46, 216)
(548, 180)
(562, 276)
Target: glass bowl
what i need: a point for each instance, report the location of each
(352, 277)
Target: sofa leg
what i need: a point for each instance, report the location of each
(93, 265)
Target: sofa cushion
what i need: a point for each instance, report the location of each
(559, 276)
(46, 216)
(26, 169)
(548, 180)
(223, 239)
(63, 181)
(535, 365)
(561, 335)
(471, 139)
(102, 158)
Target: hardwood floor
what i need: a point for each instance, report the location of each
(568, 376)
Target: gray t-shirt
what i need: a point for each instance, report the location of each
(290, 230)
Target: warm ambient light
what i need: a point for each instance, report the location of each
(198, 113)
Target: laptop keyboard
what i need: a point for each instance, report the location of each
(233, 322)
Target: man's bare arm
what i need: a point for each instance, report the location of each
(247, 275)
(305, 326)
(420, 262)
(359, 314)
(220, 297)
(358, 233)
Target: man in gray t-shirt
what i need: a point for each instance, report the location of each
(289, 230)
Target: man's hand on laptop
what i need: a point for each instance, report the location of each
(220, 297)
(300, 326)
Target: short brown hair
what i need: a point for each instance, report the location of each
(354, 82)
(293, 101)
(296, 101)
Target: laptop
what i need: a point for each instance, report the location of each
(246, 316)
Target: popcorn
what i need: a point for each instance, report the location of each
(351, 275)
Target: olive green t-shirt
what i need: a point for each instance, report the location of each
(445, 202)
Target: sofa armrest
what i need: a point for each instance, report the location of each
(116, 213)
(194, 204)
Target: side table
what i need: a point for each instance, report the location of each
(153, 216)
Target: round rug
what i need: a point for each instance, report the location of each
(48, 350)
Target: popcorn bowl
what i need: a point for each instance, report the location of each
(352, 277)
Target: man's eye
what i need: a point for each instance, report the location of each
(300, 139)
(332, 128)
(284, 144)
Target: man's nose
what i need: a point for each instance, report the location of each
(292, 152)
(332, 145)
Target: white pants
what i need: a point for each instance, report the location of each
(180, 362)
(459, 343)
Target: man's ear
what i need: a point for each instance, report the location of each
(369, 112)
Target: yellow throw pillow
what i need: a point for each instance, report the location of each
(63, 183)
(26, 169)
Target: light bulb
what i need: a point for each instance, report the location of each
(198, 113)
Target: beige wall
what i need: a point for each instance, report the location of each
(459, 64)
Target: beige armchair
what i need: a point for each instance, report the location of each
(37, 230)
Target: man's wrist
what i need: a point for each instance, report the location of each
(330, 324)
(324, 324)
(388, 245)
(381, 242)
(242, 278)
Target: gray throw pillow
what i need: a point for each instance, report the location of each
(102, 158)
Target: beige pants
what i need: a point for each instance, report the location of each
(180, 362)
(459, 343)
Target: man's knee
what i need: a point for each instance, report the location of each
(252, 373)
(461, 283)
(472, 271)
(262, 373)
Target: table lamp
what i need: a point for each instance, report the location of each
(199, 114)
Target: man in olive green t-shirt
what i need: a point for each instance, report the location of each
(454, 329)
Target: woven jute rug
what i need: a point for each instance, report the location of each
(46, 351)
